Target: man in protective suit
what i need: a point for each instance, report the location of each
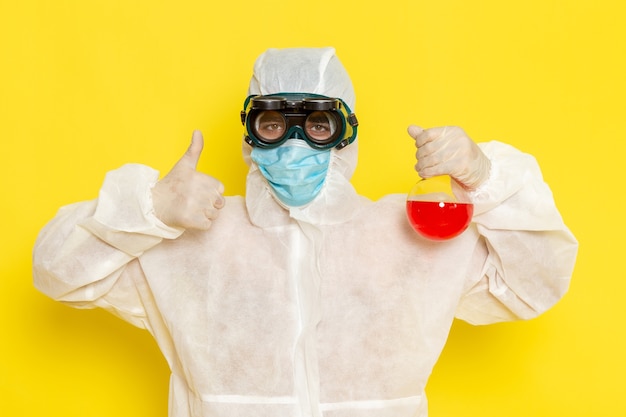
(303, 298)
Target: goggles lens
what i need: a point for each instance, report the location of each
(321, 121)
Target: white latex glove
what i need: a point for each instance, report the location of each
(449, 151)
(185, 197)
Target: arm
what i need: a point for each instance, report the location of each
(530, 251)
(527, 256)
(81, 257)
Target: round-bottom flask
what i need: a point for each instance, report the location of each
(435, 212)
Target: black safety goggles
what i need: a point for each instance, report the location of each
(323, 122)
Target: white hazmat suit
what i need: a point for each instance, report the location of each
(334, 309)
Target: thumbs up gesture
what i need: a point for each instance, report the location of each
(185, 197)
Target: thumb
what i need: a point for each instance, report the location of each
(192, 155)
(414, 131)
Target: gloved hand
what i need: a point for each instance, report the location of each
(185, 197)
(449, 151)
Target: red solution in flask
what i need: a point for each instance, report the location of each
(439, 220)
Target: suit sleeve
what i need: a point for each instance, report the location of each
(530, 252)
(86, 256)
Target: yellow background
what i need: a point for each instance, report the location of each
(86, 86)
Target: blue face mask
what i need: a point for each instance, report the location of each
(294, 170)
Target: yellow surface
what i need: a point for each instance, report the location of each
(86, 86)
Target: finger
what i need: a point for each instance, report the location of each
(192, 155)
(432, 154)
(211, 213)
(427, 136)
(414, 131)
(204, 224)
(217, 193)
(431, 172)
(199, 220)
(426, 166)
(421, 136)
(219, 202)
(427, 149)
